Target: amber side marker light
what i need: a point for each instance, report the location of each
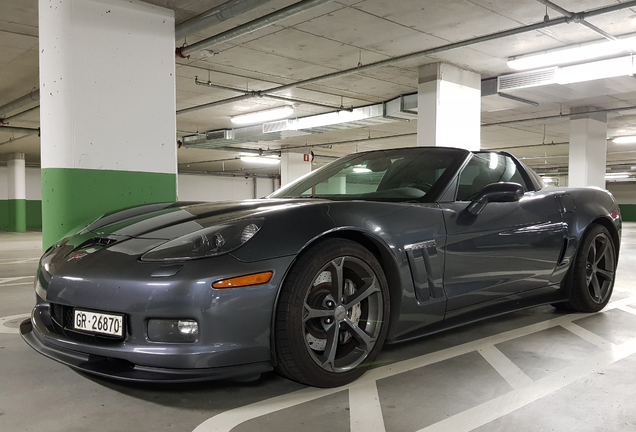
(241, 281)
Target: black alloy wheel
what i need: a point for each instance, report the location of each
(332, 315)
(592, 276)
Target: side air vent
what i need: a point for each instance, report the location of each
(527, 79)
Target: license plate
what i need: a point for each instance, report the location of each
(100, 323)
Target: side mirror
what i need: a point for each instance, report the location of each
(495, 192)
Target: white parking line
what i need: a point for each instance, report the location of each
(629, 309)
(21, 261)
(364, 408)
(505, 367)
(588, 336)
(523, 395)
(480, 415)
(5, 281)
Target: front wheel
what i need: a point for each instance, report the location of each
(332, 314)
(592, 276)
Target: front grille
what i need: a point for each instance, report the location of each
(62, 318)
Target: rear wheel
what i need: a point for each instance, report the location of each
(592, 279)
(332, 314)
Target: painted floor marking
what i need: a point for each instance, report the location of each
(588, 336)
(7, 280)
(20, 261)
(364, 408)
(11, 330)
(226, 421)
(628, 309)
(494, 409)
(505, 367)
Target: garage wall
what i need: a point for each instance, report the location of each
(217, 188)
(190, 188)
(33, 199)
(625, 194)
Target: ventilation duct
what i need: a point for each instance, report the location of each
(403, 108)
(528, 79)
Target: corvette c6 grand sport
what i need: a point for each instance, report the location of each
(374, 248)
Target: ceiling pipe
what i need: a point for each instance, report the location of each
(19, 130)
(578, 18)
(19, 103)
(216, 15)
(259, 94)
(252, 26)
(12, 140)
(437, 50)
(21, 114)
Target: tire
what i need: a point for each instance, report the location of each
(323, 340)
(593, 271)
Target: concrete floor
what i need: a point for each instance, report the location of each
(535, 370)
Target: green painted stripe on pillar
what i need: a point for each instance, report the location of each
(17, 215)
(4, 215)
(628, 212)
(73, 198)
(34, 215)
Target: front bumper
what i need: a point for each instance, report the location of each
(122, 370)
(234, 324)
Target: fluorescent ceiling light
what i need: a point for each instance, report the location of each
(261, 160)
(263, 116)
(612, 176)
(548, 179)
(621, 66)
(625, 140)
(571, 54)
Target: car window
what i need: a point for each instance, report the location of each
(392, 175)
(484, 169)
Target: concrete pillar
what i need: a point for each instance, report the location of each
(449, 107)
(107, 109)
(293, 166)
(16, 181)
(588, 148)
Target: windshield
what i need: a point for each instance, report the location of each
(412, 174)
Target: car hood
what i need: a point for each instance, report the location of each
(170, 221)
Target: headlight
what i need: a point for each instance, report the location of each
(212, 241)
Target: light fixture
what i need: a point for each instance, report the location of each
(621, 66)
(263, 116)
(571, 54)
(614, 176)
(625, 140)
(548, 179)
(266, 160)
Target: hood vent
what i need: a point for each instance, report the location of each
(403, 108)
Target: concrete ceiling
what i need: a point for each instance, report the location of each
(338, 35)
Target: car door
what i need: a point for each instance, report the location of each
(509, 247)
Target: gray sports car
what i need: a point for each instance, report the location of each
(374, 248)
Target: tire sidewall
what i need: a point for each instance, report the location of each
(298, 286)
(580, 297)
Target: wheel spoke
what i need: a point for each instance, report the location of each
(597, 287)
(362, 293)
(311, 313)
(601, 252)
(329, 357)
(608, 275)
(337, 280)
(367, 341)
